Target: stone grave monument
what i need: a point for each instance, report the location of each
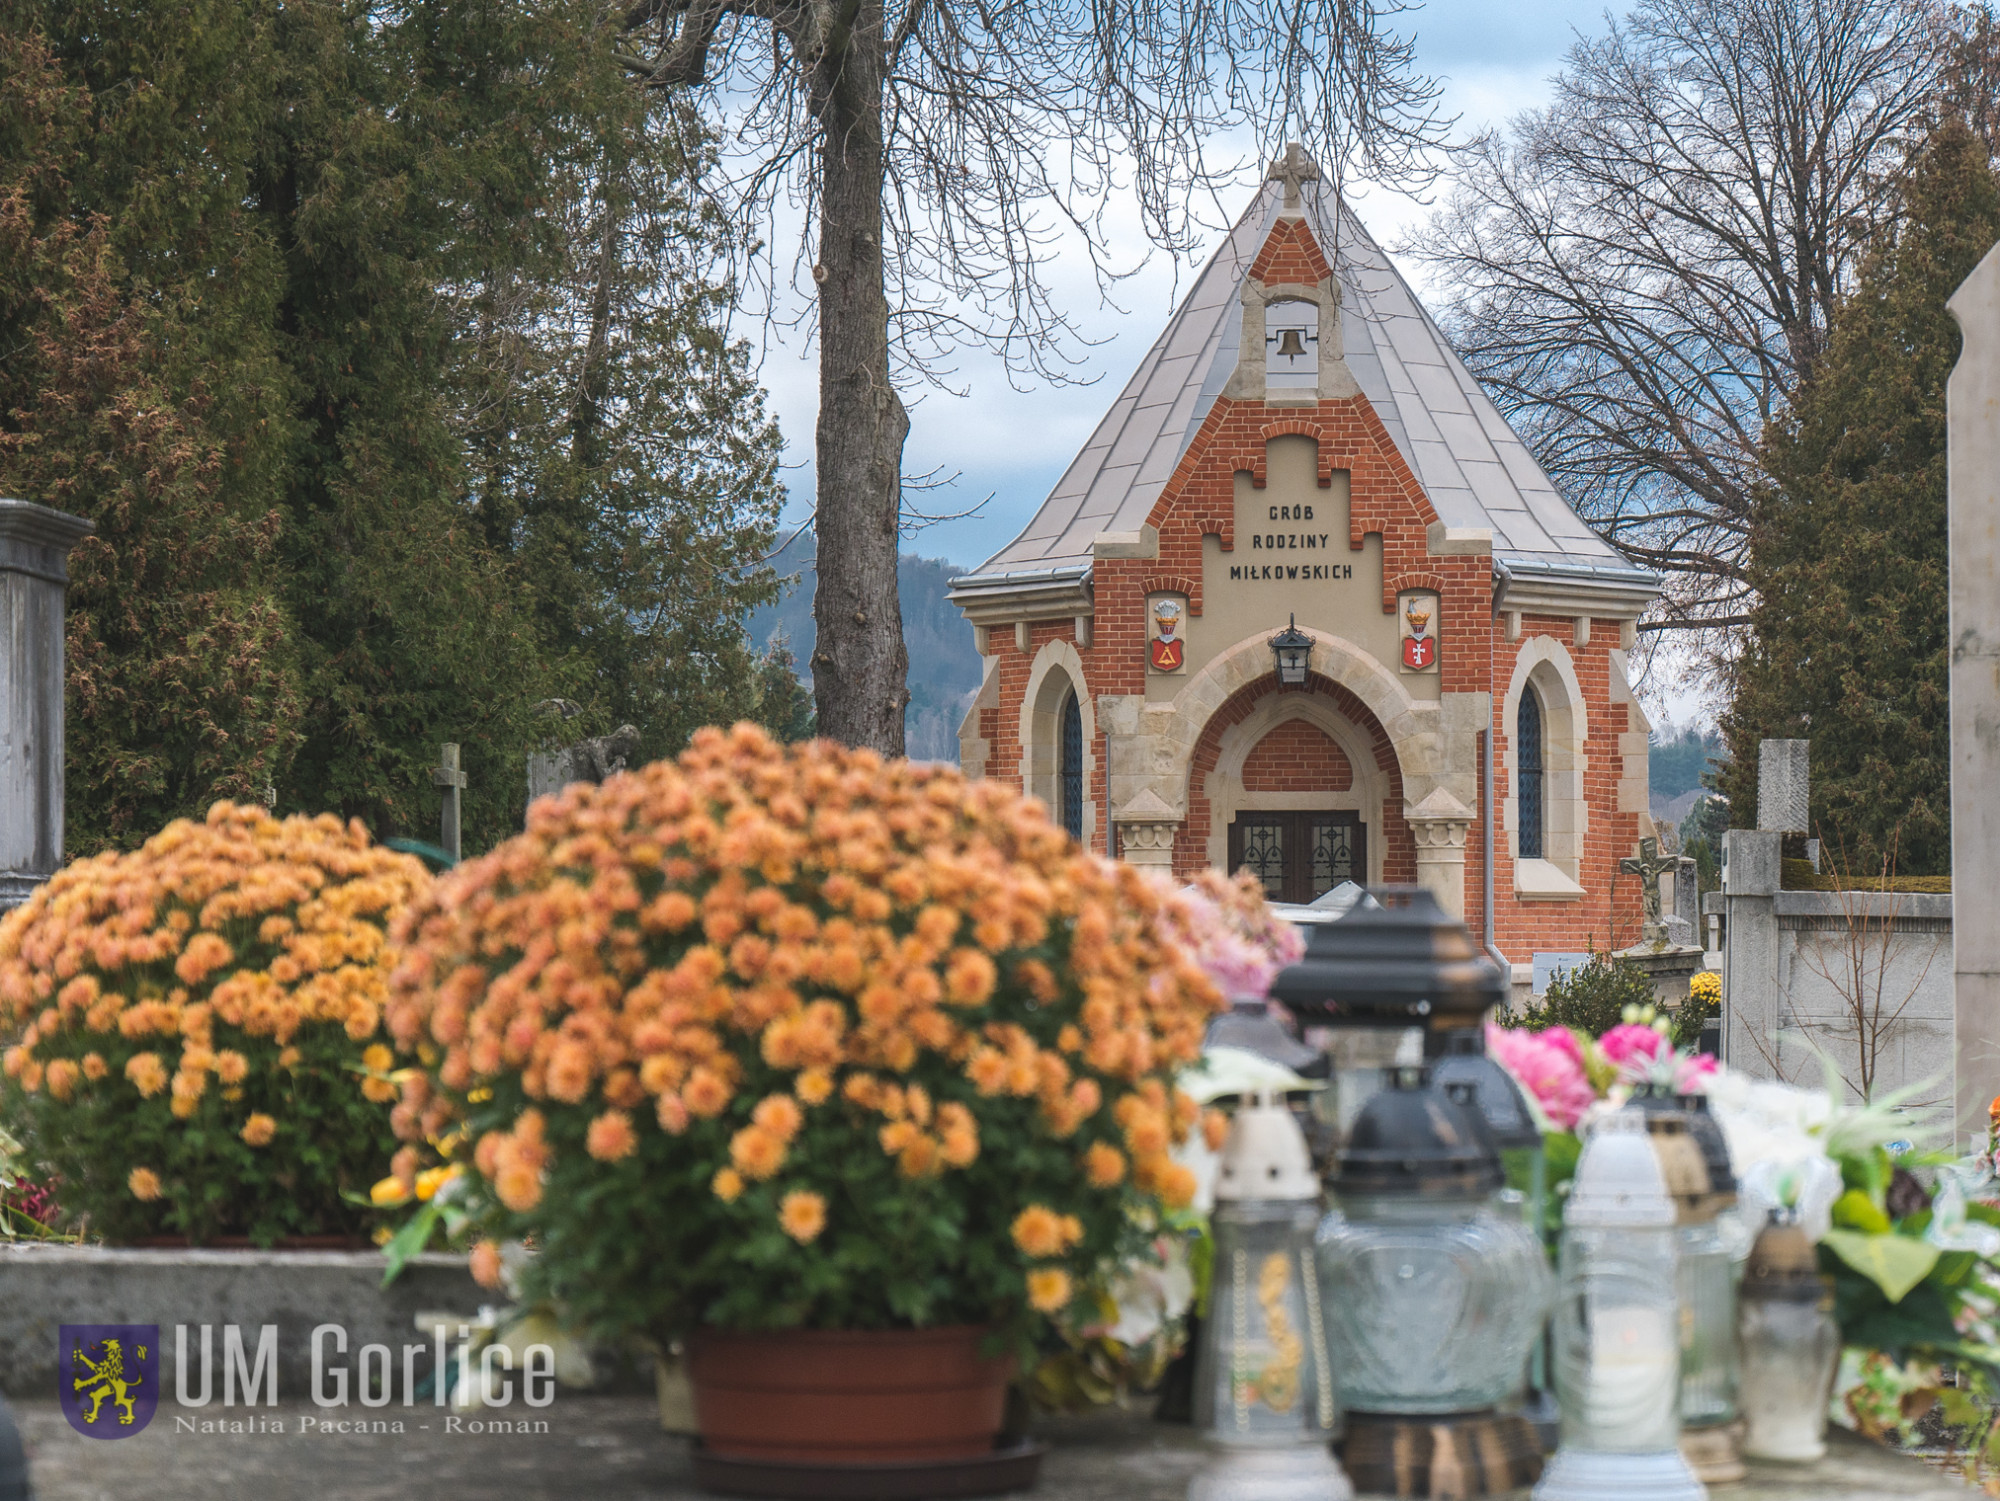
(588, 760)
(1666, 949)
(34, 575)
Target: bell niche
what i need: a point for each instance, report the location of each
(1291, 346)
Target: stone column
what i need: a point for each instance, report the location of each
(1972, 399)
(1440, 823)
(34, 572)
(1784, 794)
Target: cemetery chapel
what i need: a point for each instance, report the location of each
(1298, 585)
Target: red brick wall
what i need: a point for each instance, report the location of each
(1297, 757)
(1608, 914)
(1399, 863)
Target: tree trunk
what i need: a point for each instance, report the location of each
(859, 665)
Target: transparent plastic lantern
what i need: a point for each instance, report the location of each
(1261, 1372)
(1617, 1327)
(1790, 1342)
(1263, 1390)
(1435, 1292)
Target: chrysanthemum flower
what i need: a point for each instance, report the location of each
(1049, 1289)
(144, 1184)
(802, 1215)
(259, 1129)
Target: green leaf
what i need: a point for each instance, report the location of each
(1854, 1210)
(409, 1240)
(1894, 1263)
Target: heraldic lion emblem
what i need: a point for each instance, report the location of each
(110, 1380)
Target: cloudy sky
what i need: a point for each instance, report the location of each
(1493, 61)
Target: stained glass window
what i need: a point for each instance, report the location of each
(1072, 767)
(1528, 766)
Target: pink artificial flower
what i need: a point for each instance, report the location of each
(1566, 1040)
(1632, 1048)
(1692, 1073)
(1545, 1066)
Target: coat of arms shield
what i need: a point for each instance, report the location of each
(108, 1377)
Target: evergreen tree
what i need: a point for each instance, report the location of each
(395, 414)
(139, 387)
(1848, 642)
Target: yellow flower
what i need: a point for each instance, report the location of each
(1048, 1289)
(802, 1215)
(814, 1086)
(430, 1180)
(144, 1183)
(388, 1193)
(727, 1184)
(259, 1130)
(378, 1058)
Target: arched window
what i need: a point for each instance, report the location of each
(1528, 768)
(1071, 766)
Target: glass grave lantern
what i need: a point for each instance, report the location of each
(1264, 1394)
(1695, 1160)
(1391, 964)
(1790, 1344)
(1435, 1292)
(1617, 1327)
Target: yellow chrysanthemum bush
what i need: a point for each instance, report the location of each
(794, 1036)
(194, 1028)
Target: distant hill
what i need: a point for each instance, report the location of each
(1679, 758)
(944, 667)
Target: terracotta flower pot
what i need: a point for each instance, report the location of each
(868, 1397)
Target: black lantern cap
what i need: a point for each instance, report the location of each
(1415, 1138)
(1492, 1089)
(1401, 961)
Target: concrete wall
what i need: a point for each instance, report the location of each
(43, 1287)
(1795, 961)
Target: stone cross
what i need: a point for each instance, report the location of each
(448, 776)
(1647, 867)
(1292, 169)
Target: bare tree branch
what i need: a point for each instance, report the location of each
(1643, 269)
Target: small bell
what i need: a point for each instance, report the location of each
(1291, 344)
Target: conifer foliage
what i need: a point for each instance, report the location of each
(382, 345)
(1848, 642)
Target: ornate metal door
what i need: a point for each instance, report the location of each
(1299, 856)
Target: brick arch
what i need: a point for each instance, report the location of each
(1296, 753)
(1399, 850)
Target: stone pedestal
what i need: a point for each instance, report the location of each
(1440, 823)
(1669, 967)
(1147, 828)
(34, 573)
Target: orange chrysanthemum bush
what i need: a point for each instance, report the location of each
(194, 1028)
(771, 1037)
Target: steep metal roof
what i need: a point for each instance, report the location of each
(1474, 467)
